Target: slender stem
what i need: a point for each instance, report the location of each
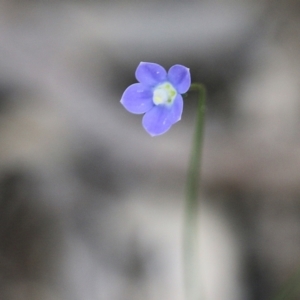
(290, 287)
(192, 204)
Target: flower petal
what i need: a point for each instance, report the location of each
(160, 118)
(156, 121)
(176, 109)
(137, 98)
(150, 73)
(180, 77)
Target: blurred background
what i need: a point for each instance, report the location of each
(91, 206)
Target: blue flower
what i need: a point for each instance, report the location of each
(157, 95)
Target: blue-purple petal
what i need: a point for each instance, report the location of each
(176, 109)
(156, 121)
(150, 73)
(160, 118)
(137, 98)
(180, 77)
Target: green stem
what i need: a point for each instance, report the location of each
(192, 204)
(290, 287)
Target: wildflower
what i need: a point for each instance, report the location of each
(157, 95)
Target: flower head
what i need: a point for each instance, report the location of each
(157, 95)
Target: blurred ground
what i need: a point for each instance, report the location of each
(91, 206)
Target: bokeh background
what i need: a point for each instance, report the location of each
(91, 207)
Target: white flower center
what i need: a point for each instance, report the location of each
(164, 94)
